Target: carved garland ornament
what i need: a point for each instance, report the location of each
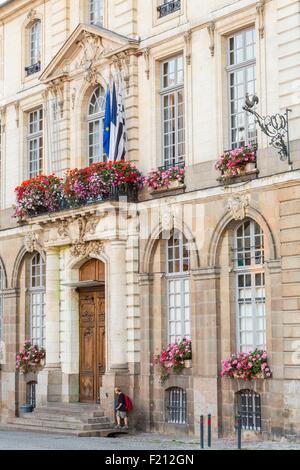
(237, 206)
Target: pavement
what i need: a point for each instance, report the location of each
(24, 440)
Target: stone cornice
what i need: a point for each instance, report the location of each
(208, 272)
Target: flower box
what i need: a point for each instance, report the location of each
(173, 358)
(162, 180)
(247, 366)
(237, 162)
(30, 360)
(188, 363)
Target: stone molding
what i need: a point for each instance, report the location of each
(274, 266)
(237, 206)
(208, 272)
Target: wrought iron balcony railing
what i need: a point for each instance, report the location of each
(32, 69)
(168, 8)
(167, 166)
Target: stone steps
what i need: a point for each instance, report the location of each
(65, 432)
(74, 419)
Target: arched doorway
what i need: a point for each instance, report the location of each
(92, 359)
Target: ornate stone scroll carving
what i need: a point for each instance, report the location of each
(188, 46)
(57, 89)
(211, 31)
(3, 118)
(146, 53)
(86, 249)
(260, 8)
(237, 206)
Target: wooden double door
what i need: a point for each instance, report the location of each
(92, 343)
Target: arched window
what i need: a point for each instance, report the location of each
(96, 124)
(176, 405)
(248, 408)
(96, 10)
(34, 42)
(178, 287)
(37, 300)
(250, 285)
(1, 303)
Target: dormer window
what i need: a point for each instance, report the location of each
(34, 48)
(96, 12)
(168, 7)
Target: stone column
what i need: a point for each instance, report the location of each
(116, 309)
(144, 413)
(9, 383)
(49, 383)
(117, 314)
(205, 332)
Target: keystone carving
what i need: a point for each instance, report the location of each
(237, 206)
(31, 242)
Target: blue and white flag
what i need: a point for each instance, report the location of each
(113, 124)
(107, 119)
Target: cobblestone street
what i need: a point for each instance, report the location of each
(18, 440)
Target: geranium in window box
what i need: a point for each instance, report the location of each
(38, 195)
(173, 357)
(161, 180)
(237, 162)
(31, 359)
(247, 366)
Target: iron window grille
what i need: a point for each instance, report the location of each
(167, 8)
(176, 406)
(31, 394)
(249, 410)
(32, 69)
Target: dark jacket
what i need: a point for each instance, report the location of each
(121, 403)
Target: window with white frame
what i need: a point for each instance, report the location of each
(250, 285)
(96, 12)
(176, 406)
(35, 142)
(1, 304)
(34, 48)
(96, 125)
(37, 300)
(172, 104)
(241, 79)
(178, 287)
(167, 7)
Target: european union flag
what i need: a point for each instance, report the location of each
(107, 119)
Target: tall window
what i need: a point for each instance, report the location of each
(249, 409)
(34, 60)
(172, 96)
(37, 300)
(178, 287)
(250, 284)
(1, 304)
(96, 125)
(96, 12)
(35, 142)
(176, 406)
(241, 77)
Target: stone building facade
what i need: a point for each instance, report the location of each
(168, 265)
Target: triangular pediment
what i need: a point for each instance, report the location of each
(86, 44)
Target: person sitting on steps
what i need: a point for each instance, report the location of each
(121, 412)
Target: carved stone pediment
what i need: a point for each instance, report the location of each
(86, 48)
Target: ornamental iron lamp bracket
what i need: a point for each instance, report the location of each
(276, 127)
